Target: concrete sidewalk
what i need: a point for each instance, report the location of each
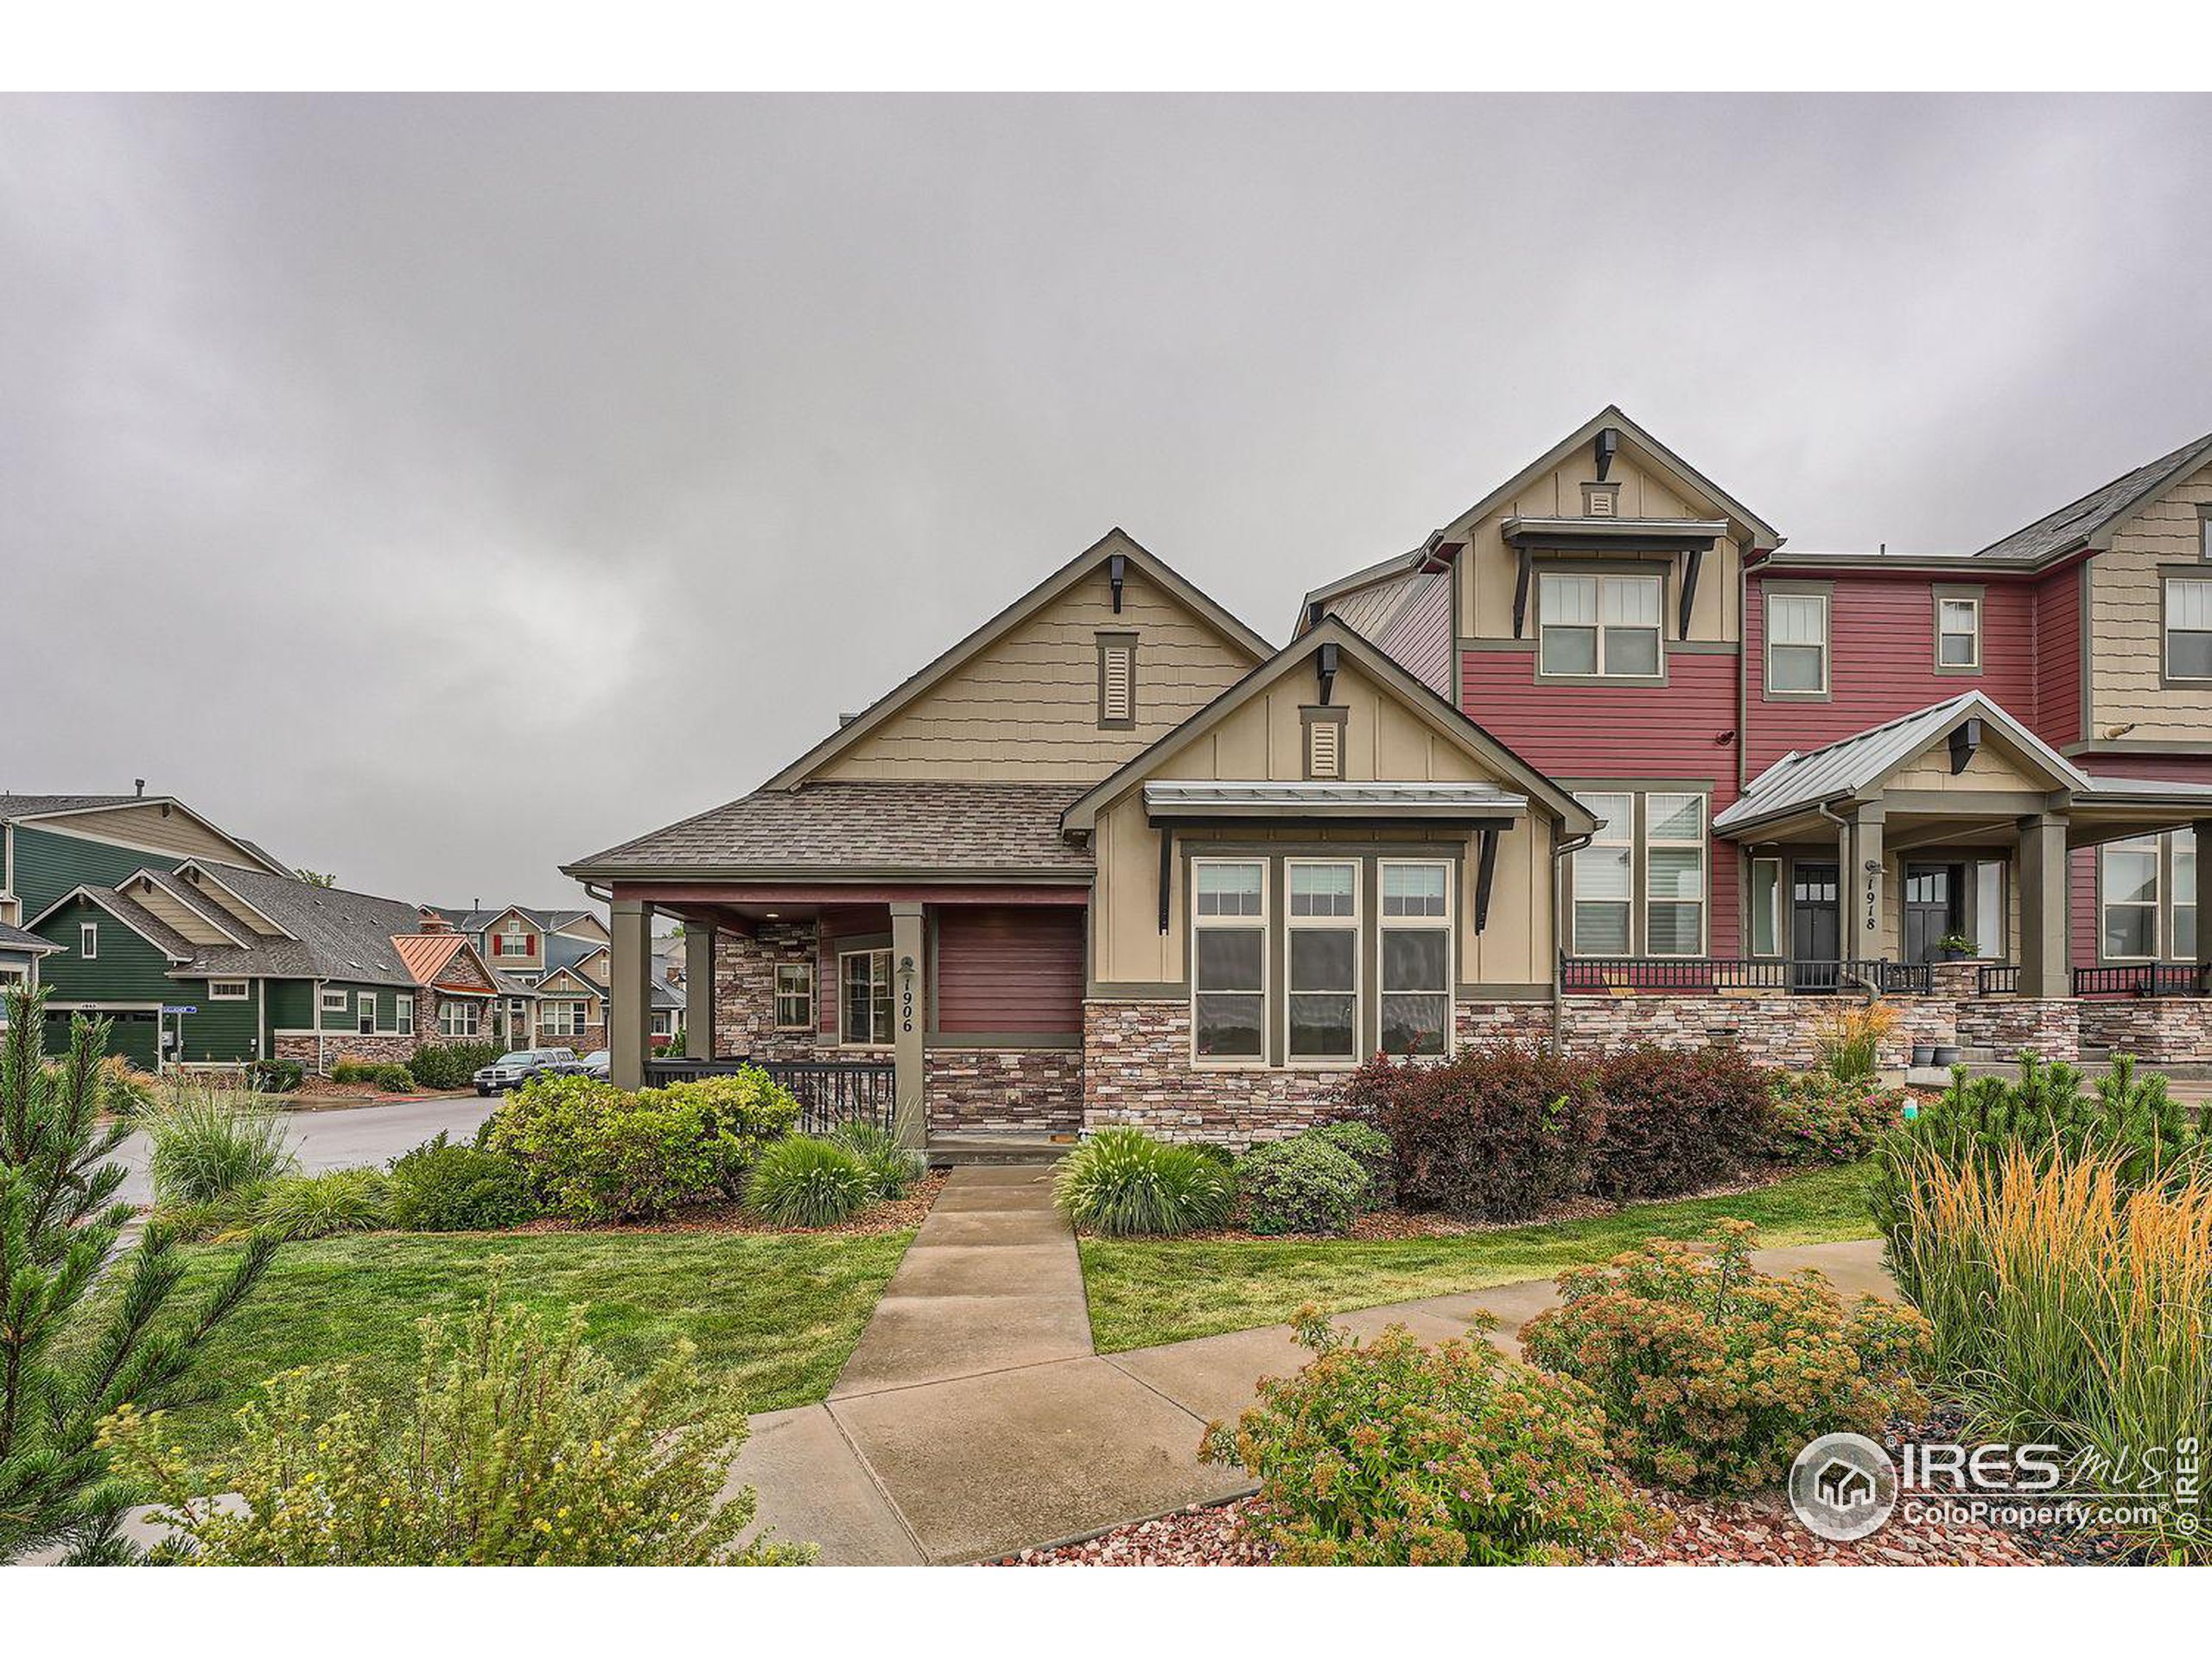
(974, 1419)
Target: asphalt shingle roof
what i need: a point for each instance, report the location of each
(888, 825)
(2072, 523)
(340, 935)
(32, 806)
(14, 938)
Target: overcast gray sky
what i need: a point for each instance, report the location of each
(438, 489)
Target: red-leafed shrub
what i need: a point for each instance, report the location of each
(1498, 1132)
(1677, 1121)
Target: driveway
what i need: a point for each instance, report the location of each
(338, 1140)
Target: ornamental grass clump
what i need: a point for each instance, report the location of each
(891, 1165)
(1393, 1454)
(803, 1182)
(1121, 1182)
(1848, 1036)
(1712, 1375)
(206, 1144)
(322, 1206)
(518, 1446)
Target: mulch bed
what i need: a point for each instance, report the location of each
(726, 1217)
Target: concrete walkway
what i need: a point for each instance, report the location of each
(974, 1419)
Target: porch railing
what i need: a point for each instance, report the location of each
(1696, 975)
(1996, 979)
(2140, 979)
(831, 1093)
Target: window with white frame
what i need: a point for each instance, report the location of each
(227, 990)
(864, 979)
(794, 996)
(459, 1017)
(1229, 952)
(1673, 875)
(511, 943)
(406, 1016)
(2128, 897)
(562, 1018)
(1605, 879)
(1958, 631)
(2184, 947)
(1766, 906)
(664, 1022)
(1414, 952)
(88, 941)
(1797, 643)
(1321, 961)
(2189, 629)
(337, 1002)
(1599, 625)
(365, 1014)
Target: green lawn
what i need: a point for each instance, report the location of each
(774, 1315)
(1146, 1291)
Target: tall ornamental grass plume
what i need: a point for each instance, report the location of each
(68, 1358)
(1122, 1181)
(517, 1447)
(207, 1143)
(2067, 1308)
(1848, 1036)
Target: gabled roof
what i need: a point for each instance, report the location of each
(567, 982)
(1083, 815)
(1846, 769)
(430, 956)
(193, 900)
(330, 932)
(548, 921)
(14, 938)
(16, 809)
(132, 914)
(565, 950)
(2091, 521)
(1078, 569)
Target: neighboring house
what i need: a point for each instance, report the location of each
(554, 965)
(19, 957)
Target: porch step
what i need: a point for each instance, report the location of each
(970, 1147)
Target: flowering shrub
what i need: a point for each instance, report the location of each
(594, 1152)
(520, 1447)
(1303, 1185)
(1713, 1376)
(1396, 1454)
(1674, 1121)
(1814, 1118)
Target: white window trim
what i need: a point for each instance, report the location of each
(1826, 602)
(1644, 847)
(777, 995)
(1973, 602)
(844, 1034)
(88, 941)
(406, 1015)
(1295, 924)
(2166, 630)
(338, 1001)
(216, 993)
(1606, 837)
(1263, 923)
(1449, 922)
(2156, 904)
(1599, 579)
(364, 1002)
(1775, 909)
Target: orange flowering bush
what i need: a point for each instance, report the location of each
(1712, 1375)
(1394, 1454)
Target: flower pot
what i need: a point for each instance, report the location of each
(1923, 1053)
(1947, 1054)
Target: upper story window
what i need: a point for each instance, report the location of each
(1229, 965)
(1117, 681)
(1321, 1015)
(1958, 631)
(512, 944)
(1599, 625)
(2189, 629)
(1797, 643)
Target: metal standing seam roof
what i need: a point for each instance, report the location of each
(1842, 769)
(1361, 799)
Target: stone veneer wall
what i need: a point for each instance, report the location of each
(2001, 1027)
(745, 994)
(1029, 1090)
(2156, 1030)
(1771, 1029)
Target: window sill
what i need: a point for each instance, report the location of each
(1614, 681)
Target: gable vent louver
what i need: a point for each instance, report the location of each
(1325, 758)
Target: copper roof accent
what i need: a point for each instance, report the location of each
(428, 954)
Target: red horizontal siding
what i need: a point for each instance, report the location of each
(1677, 730)
(1009, 971)
(2056, 717)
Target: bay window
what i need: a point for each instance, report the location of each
(1321, 1011)
(1415, 954)
(1605, 626)
(864, 977)
(1229, 941)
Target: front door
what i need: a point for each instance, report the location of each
(1815, 927)
(1932, 894)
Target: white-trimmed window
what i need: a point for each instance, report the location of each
(1599, 625)
(1797, 643)
(406, 1016)
(1605, 879)
(664, 1022)
(794, 996)
(2183, 948)
(1958, 631)
(365, 1014)
(458, 1017)
(227, 990)
(1228, 959)
(1415, 957)
(1321, 962)
(864, 983)
(2189, 629)
(563, 1018)
(1673, 875)
(337, 1002)
(2128, 897)
(88, 941)
(513, 941)
(1766, 906)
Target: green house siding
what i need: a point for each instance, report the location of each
(291, 1005)
(134, 1035)
(48, 865)
(126, 969)
(347, 1024)
(220, 1031)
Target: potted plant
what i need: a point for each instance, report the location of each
(1954, 947)
(1923, 1054)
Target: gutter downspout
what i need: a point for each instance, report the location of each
(318, 1026)
(1567, 848)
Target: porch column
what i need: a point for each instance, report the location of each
(2203, 829)
(1861, 892)
(629, 1002)
(699, 990)
(909, 999)
(2045, 970)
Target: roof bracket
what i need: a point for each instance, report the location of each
(1325, 670)
(1486, 870)
(1966, 738)
(1521, 592)
(1607, 446)
(1117, 572)
(1692, 562)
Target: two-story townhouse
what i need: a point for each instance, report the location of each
(553, 966)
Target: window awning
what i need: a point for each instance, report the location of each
(1457, 803)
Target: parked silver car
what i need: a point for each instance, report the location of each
(513, 1071)
(597, 1063)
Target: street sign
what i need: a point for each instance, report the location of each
(166, 1010)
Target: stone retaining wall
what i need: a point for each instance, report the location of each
(1769, 1029)
(2003, 1027)
(1026, 1089)
(2156, 1030)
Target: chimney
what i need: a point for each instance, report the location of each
(141, 782)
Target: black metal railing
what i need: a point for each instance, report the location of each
(1696, 975)
(1996, 979)
(2141, 979)
(831, 1093)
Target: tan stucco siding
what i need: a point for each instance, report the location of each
(1489, 568)
(178, 834)
(1262, 741)
(1991, 769)
(1026, 710)
(2126, 649)
(181, 917)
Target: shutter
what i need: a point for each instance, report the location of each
(1325, 756)
(1116, 699)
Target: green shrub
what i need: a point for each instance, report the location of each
(891, 1166)
(1122, 1181)
(274, 1076)
(803, 1182)
(1303, 1185)
(1816, 1118)
(1370, 1148)
(222, 1220)
(442, 1067)
(1713, 1376)
(347, 1069)
(518, 1446)
(442, 1188)
(1392, 1454)
(594, 1152)
(321, 1206)
(206, 1143)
